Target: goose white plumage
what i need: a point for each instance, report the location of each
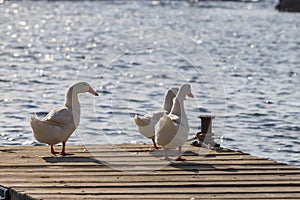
(171, 131)
(146, 123)
(61, 122)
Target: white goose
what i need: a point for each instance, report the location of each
(62, 121)
(146, 124)
(172, 130)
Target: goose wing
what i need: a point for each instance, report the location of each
(155, 115)
(60, 116)
(175, 118)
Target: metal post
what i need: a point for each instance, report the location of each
(4, 193)
(205, 137)
(206, 123)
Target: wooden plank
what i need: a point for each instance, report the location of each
(36, 183)
(32, 172)
(178, 172)
(145, 155)
(159, 190)
(277, 196)
(95, 177)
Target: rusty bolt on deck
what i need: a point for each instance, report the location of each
(206, 136)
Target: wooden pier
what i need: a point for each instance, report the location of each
(137, 172)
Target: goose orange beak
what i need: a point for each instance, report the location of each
(93, 92)
(190, 95)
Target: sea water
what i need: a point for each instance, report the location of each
(241, 58)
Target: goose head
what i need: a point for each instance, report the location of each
(185, 90)
(83, 87)
(178, 108)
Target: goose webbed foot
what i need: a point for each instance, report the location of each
(53, 151)
(154, 144)
(179, 158)
(63, 151)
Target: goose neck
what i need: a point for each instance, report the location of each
(71, 100)
(168, 102)
(181, 95)
(178, 107)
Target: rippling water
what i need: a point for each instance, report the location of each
(46, 46)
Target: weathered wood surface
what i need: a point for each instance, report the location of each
(137, 172)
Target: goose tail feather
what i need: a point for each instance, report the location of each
(140, 122)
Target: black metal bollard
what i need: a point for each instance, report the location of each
(206, 123)
(205, 137)
(4, 193)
